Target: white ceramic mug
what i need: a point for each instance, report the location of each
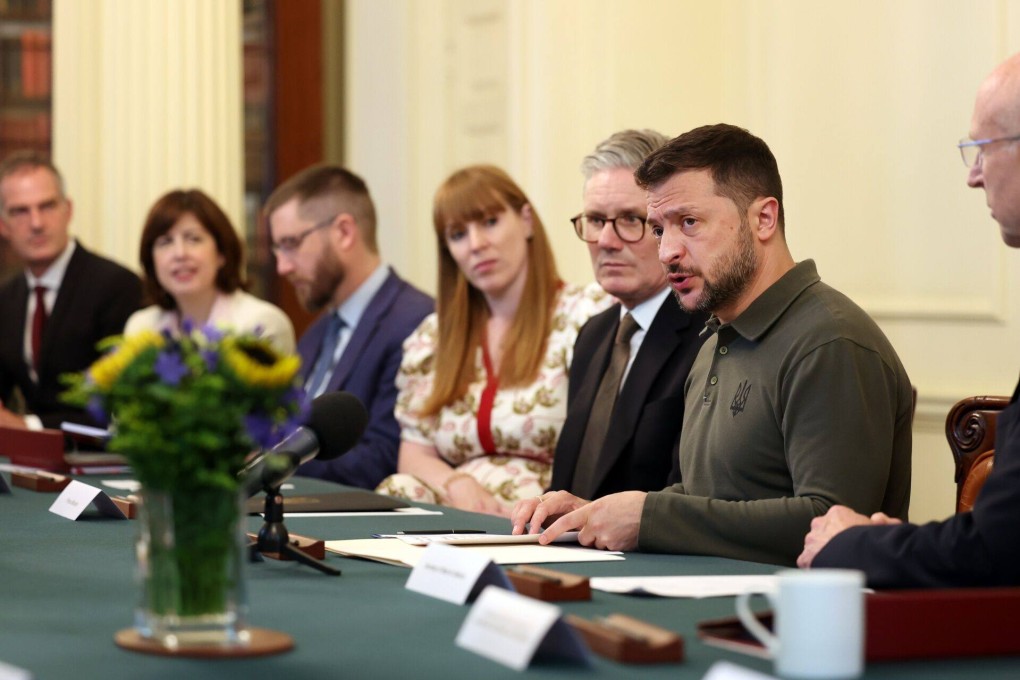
(819, 623)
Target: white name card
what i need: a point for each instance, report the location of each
(9, 672)
(76, 496)
(454, 575)
(513, 629)
(724, 670)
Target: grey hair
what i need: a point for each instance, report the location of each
(624, 149)
(20, 161)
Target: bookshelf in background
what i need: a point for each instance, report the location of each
(26, 77)
(259, 171)
(283, 119)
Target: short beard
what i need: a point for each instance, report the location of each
(329, 274)
(732, 275)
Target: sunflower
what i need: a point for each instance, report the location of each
(255, 363)
(107, 369)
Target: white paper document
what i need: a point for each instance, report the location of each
(397, 552)
(684, 586)
(724, 670)
(479, 539)
(11, 467)
(78, 428)
(128, 485)
(396, 512)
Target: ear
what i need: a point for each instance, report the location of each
(344, 231)
(528, 216)
(763, 215)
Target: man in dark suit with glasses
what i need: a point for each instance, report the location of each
(626, 404)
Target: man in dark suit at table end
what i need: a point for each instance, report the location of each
(981, 547)
(625, 404)
(323, 227)
(796, 402)
(67, 300)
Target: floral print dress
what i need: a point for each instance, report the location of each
(503, 437)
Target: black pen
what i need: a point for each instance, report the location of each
(423, 532)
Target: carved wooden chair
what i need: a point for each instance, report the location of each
(970, 429)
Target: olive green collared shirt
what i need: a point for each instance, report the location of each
(797, 405)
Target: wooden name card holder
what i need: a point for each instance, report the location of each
(315, 547)
(548, 585)
(45, 482)
(628, 640)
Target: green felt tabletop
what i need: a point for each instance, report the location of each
(67, 586)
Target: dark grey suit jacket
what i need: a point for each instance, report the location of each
(94, 301)
(640, 448)
(368, 370)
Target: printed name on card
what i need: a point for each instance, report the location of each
(76, 497)
(454, 574)
(513, 630)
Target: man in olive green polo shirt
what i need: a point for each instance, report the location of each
(796, 403)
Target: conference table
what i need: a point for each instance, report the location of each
(66, 587)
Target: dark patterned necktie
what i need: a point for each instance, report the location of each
(602, 410)
(38, 325)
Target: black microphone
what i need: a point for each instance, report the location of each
(335, 425)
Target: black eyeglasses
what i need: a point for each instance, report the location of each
(630, 228)
(972, 150)
(288, 245)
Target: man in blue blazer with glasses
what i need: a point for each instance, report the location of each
(323, 227)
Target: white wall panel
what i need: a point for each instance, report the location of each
(861, 102)
(147, 98)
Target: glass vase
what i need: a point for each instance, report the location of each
(190, 554)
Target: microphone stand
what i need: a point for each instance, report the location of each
(274, 540)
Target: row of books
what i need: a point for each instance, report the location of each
(26, 66)
(29, 10)
(24, 131)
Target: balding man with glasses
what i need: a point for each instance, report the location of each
(981, 547)
(626, 397)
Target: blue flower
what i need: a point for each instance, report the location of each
(211, 333)
(211, 358)
(187, 325)
(260, 429)
(170, 368)
(297, 396)
(94, 408)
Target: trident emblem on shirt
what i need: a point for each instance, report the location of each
(740, 398)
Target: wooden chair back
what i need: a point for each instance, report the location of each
(970, 430)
